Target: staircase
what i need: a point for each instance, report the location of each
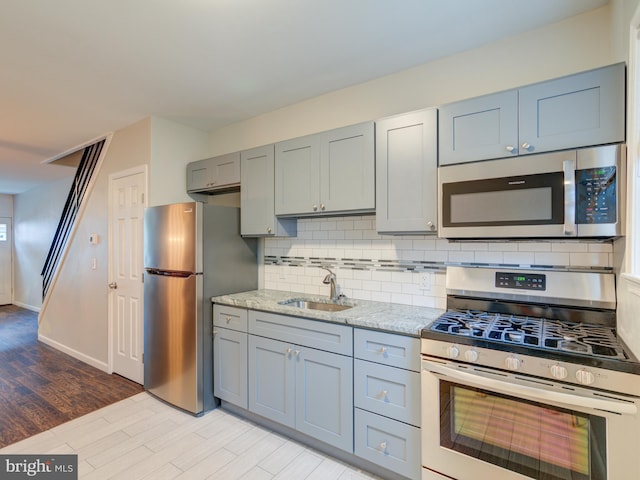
(79, 187)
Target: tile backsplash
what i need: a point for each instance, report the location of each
(405, 269)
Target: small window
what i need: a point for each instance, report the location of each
(3, 232)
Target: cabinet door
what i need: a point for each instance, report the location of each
(215, 172)
(257, 195)
(406, 173)
(347, 169)
(198, 175)
(271, 380)
(230, 366)
(324, 396)
(225, 170)
(297, 170)
(479, 129)
(575, 111)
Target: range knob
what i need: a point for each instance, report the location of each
(453, 351)
(512, 363)
(471, 355)
(558, 371)
(585, 377)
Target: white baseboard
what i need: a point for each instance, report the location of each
(75, 354)
(28, 307)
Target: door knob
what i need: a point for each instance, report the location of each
(113, 286)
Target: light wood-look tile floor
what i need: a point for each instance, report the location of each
(143, 438)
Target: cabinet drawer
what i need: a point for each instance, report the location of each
(388, 443)
(301, 331)
(387, 348)
(389, 391)
(230, 317)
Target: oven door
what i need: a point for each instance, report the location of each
(483, 423)
(509, 198)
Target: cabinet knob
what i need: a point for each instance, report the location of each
(384, 393)
(228, 319)
(288, 351)
(511, 149)
(269, 230)
(383, 350)
(315, 207)
(322, 206)
(431, 226)
(296, 353)
(383, 446)
(527, 146)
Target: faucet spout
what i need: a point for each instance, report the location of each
(330, 279)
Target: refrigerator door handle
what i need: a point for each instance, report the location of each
(167, 273)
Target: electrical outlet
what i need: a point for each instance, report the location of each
(425, 281)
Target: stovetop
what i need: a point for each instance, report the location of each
(547, 334)
(578, 343)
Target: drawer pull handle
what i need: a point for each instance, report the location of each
(228, 319)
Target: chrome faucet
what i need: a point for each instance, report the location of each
(330, 279)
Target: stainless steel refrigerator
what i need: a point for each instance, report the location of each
(192, 251)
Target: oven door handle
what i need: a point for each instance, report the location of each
(536, 394)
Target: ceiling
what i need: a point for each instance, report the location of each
(73, 70)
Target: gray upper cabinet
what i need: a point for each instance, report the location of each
(578, 110)
(214, 173)
(575, 111)
(257, 196)
(479, 128)
(328, 172)
(406, 172)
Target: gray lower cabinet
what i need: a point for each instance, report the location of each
(328, 172)
(579, 110)
(387, 400)
(257, 196)
(230, 355)
(406, 173)
(293, 382)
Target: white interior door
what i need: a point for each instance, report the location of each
(127, 193)
(6, 256)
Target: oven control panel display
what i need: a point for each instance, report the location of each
(524, 281)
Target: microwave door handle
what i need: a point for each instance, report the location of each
(532, 393)
(569, 169)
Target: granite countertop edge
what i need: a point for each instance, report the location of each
(390, 317)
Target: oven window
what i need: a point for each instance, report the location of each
(536, 440)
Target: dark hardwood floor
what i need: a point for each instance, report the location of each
(41, 387)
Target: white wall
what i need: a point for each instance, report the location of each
(6, 205)
(579, 43)
(627, 18)
(36, 216)
(173, 146)
(75, 319)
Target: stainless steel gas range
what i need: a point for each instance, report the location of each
(525, 377)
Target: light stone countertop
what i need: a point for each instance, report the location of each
(391, 317)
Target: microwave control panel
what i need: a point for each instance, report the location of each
(596, 195)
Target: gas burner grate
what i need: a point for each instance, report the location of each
(547, 334)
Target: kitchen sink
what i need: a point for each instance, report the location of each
(307, 304)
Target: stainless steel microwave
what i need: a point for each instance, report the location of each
(574, 193)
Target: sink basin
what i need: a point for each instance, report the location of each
(315, 305)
